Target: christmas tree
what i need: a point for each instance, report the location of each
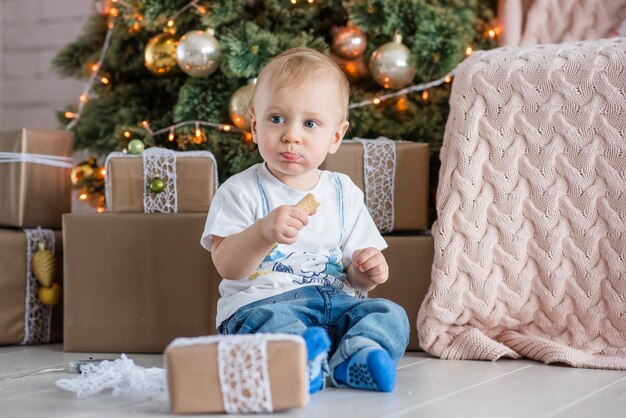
(174, 73)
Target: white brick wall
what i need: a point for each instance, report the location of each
(31, 33)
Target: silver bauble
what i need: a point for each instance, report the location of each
(238, 105)
(391, 64)
(198, 53)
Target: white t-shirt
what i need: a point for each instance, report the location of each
(323, 249)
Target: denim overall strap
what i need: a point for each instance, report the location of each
(264, 201)
(340, 212)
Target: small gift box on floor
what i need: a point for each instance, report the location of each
(237, 373)
(24, 318)
(134, 282)
(35, 187)
(393, 176)
(161, 180)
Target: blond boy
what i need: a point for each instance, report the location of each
(284, 271)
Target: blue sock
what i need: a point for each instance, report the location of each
(369, 369)
(317, 346)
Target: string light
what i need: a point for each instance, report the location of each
(146, 126)
(83, 196)
(491, 33)
(404, 91)
(200, 9)
(294, 1)
(170, 23)
(94, 73)
(425, 95)
(71, 115)
(469, 51)
(127, 134)
(170, 129)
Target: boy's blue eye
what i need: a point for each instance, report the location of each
(310, 124)
(277, 119)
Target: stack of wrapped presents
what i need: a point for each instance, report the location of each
(35, 192)
(394, 178)
(136, 277)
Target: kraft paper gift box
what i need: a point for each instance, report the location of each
(410, 259)
(23, 319)
(134, 282)
(35, 188)
(190, 181)
(392, 175)
(237, 373)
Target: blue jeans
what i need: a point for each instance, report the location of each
(352, 323)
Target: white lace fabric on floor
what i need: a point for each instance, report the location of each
(242, 364)
(37, 316)
(158, 162)
(123, 376)
(379, 171)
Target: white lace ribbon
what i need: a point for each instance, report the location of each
(379, 171)
(37, 316)
(242, 366)
(161, 163)
(122, 376)
(43, 159)
(158, 162)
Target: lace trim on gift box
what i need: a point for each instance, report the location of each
(242, 365)
(37, 316)
(159, 162)
(379, 171)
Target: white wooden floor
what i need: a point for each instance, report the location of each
(427, 387)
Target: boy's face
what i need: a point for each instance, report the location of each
(296, 126)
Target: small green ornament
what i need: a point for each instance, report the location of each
(157, 185)
(136, 146)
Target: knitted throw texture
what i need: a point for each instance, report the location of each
(530, 22)
(530, 241)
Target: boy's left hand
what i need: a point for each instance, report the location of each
(369, 269)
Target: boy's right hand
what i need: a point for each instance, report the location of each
(283, 224)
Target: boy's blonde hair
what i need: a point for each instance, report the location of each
(296, 65)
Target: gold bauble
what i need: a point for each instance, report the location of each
(84, 172)
(238, 105)
(50, 296)
(198, 53)
(391, 64)
(44, 266)
(355, 69)
(160, 53)
(349, 42)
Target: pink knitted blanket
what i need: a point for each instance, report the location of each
(530, 242)
(530, 22)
